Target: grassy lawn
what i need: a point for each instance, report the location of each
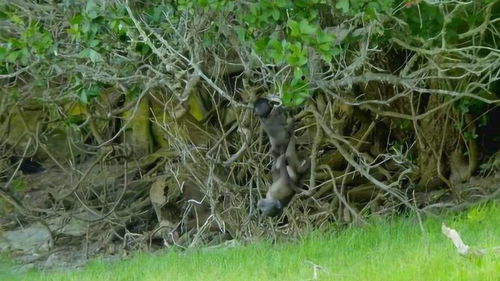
(381, 250)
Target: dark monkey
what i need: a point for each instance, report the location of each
(288, 173)
(276, 124)
(281, 191)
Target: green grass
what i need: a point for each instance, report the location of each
(382, 250)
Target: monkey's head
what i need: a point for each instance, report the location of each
(270, 207)
(262, 107)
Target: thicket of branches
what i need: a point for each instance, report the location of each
(132, 105)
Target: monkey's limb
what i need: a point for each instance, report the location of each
(293, 159)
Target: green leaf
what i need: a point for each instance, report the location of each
(41, 40)
(229, 6)
(327, 57)
(281, 3)
(24, 56)
(324, 47)
(261, 44)
(91, 9)
(74, 31)
(276, 14)
(299, 55)
(294, 28)
(94, 43)
(343, 5)
(328, 54)
(298, 74)
(296, 91)
(470, 135)
(18, 185)
(16, 19)
(13, 43)
(307, 28)
(94, 91)
(83, 97)
(241, 33)
(262, 19)
(296, 60)
(254, 9)
(3, 53)
(12, 56)
(77, 19)
(336, 51)
(142, 48)
(295, 96)
(293, 101)
(325, 37)
(483, 120)
(275, 50)
(90, 54)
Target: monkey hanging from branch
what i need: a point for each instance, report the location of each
(288, 171)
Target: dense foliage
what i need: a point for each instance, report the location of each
(129, 104)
